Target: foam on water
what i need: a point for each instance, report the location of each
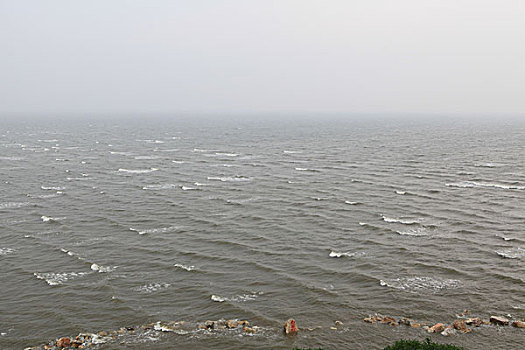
(237, 298)
(185, 267)
(50, 219)
(146, 157)
(226, 154)
(151, 288)
(421, 284)
(54, 188)
(414, 232)
(155, 230)
(334, 254)
(100, 268)
(351, 203)
(187, 188)
(475, 184)
(512, 253)
(6, 251)
(159, 187)
(178, 161)
(54, 279)
(399, 221)
(13, 205)
(137, 171)
(12, 158)
(237, 178)
(400, 192)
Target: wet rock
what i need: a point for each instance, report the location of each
(476, 321)
(232, 324)
(438, 327)
(405, 321)
(459, 324)
(202, 326)
(290, 327)
(448, 331)
(244, 323)
(76, 344)
(389, 320)
(209, 324)
(369, 320)
(415, 325)
(63, 343)
(46, 347)
(338, 323)
(103, 334)
(502, 321)
(251, 330)
(333, 328)
(518, 324)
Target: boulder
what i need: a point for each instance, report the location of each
(232, 324)
(405, 321)
(476, 321)
(448, 331)
(502, 321)
(249, 330)
(290, 327)
(518, 324)
(438, 327)
(338, 323)
(244, 323)
(415, 325)
(389, 320)
(459, 325)
(103, 333)
(209, 324)
(63, 343)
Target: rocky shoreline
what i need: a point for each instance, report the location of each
(457, 326)
(244, 327)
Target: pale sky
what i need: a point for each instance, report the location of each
(375, 56)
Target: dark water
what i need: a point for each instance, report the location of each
(105, 224)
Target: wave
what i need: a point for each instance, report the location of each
(100, 268)
(488, 165)
(155, 230)
(185, 267)
(199, 184)
(54, 279)
(421, 284)
(151, 287)
(308, 170)
(415, 232)
(146, 157)
(6, 251)
(159, 187)
(121, 153)
(347, 254)
(54, 188)
(178, 161)
(50, 219)
(474, 184)
(12, 205)
(227, 154)
(351, 203)
(237, 178)
(237, 298)
(187, 188)
(138, 171)
(292, 152)
(12, 158)
(401, 192)
(512, 253)
(399, 221)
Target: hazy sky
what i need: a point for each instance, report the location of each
(465, 56)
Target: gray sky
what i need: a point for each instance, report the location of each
(462, 56)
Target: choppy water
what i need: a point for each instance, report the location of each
(105, 224)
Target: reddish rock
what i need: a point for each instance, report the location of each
(459, 325)
(290, 327)
(369, 320)
(249, 330)
(244, 323)
(405, 321)
(389, 320)
(415, 325)
(518, 324)
(438, 327)
(63, 343)
(502, 321)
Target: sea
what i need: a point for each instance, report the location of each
(116, 221)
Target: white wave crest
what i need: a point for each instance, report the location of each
(152, 287)
(474, 184)
(351, 203)
(414, 232)
(146, 157)
(185, 267)
(155, 230)
(399, 221)
(187, 188)
(159, 187)
(238, 178)
(138, 171)
(421, 284)
(334, 254)
(512, 253)
(54, 188)
(12, 205)
(227, 154)
(237, 298)
(100, 268)
(401, 192)
(50, 219)
(6, 251)
(54, 279)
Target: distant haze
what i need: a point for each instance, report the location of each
(459, 56)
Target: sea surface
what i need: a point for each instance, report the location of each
(106, 223)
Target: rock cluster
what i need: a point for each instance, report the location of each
(290, 327)
(459, 325)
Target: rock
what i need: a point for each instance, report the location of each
(76, 344)
(338, 323)
(290, 327)
(103, 333)
(202, 326)
(209, 324)
(438, 327)
(244, 323)
(232, 324)
(369, 320)
(63, 343)
(448, 331)
(502, 321)
(518, 324)
(459, 324)
(405, 321)
(415, 325)
(389, 320)
(333, 328)
(476, 321)
(47, 347)
(130, 328)
(249, 330)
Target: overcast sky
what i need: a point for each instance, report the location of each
(461, 56)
